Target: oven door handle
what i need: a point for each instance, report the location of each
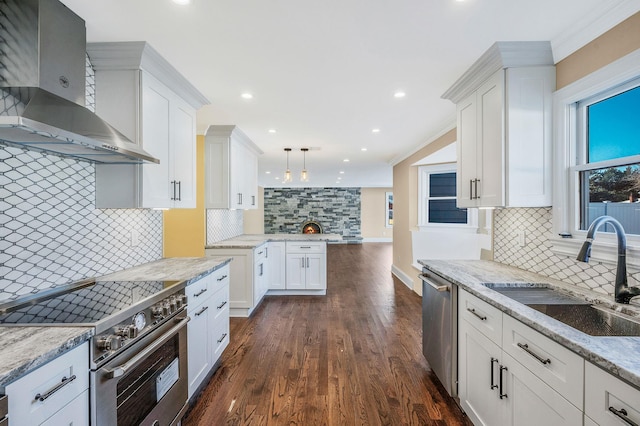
(123, 368)
(436, 287)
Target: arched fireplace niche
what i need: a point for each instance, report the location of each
(311, 227)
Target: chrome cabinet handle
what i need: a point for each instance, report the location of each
(471, 189)
(173, 191)
(221, 306)
(179, 191)
(222, 278)
(201, 311)
(476, 188)
(222, 338)
(622, 414)
(198, 294)
(239, 198)
(502, 395)
(253, 200)
(307, 262)
(525, 348)
(305, 247)
(473, 311)
(64, 382)
(493, 385)
(435, 286)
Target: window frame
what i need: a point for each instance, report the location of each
(569, 159)
(424, 172)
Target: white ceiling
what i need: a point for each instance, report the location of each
(323, 74)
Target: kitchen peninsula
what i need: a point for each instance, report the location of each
(283, 264)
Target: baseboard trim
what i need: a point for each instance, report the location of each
(406, 279)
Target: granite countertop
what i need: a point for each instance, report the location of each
(610, 353)
(25, 348)
(256, 240)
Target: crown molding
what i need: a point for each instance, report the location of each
(502, 54)
(606, 16)
(139, 55)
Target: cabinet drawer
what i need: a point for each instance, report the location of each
(220, 302)
(554, 364)
(605, 393)
(481, 315)
(76, 413)
(198, 291)
(220, 278)
(306, 247)
(25, 408)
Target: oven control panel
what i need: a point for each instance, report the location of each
(128, 331)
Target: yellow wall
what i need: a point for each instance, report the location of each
(253, 220)
(405, 206)
(373, 211)
(614, 44)
(184, 229)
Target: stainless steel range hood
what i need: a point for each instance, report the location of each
(43, 55)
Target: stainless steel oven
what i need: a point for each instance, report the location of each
(147, 383)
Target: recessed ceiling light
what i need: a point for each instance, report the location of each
(277, 177)
(363, 149)
(346, 160)
(247, 96)
(268, 172)
(341, 172)
(182, 2)
(400, 94)
(272, 130)
(375, 130)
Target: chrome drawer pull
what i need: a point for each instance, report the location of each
(65, 381)
(223, 303)
(525, 348)
(222, 338)
(473, 311)
(622, 414)
(201, 311)
(502, 395)
(222, 278)
(198, 294)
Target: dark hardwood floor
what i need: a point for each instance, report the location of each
(353, 357)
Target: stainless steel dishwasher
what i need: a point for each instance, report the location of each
(439, 328)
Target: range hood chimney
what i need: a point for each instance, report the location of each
(43, 58)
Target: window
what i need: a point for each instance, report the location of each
(609, 166)
(597, 158)
(388, 209)
(437, 188)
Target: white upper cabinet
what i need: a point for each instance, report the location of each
(504, 127)
(145, 98)
(231, 169)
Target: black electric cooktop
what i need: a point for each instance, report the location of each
(86, 302)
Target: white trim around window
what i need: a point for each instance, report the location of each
(423, 199)
(566, 221)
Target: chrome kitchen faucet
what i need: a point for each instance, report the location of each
(623, 293)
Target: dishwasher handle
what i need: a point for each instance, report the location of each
(440, 288)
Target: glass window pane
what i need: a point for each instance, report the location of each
(445, 211)
(612, 191)
(614, 127)
(442, 184)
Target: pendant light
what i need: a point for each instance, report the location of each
(304, 176)
(287, 173)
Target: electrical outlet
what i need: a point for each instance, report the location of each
(135, 238)
(522, 239)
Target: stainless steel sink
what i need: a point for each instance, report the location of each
(591, 319)
(570, 310)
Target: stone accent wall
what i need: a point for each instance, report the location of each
(336, 209)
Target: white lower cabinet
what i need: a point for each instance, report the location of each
(509, 374)
(608, 400)
(208, 330)
(249, 281)
(306, 266)
(276, 259)
(54, 394)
